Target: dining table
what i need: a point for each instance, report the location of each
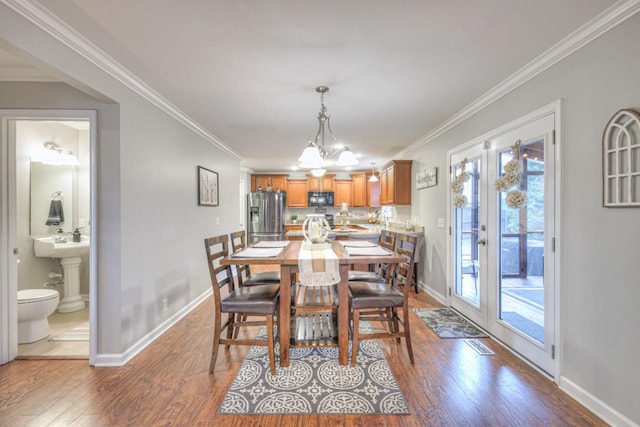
(288, 259)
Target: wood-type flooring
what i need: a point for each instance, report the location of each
(168, 384)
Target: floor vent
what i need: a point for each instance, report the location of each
(479, 347)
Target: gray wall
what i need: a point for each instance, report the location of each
(599, 246)
(150, 227)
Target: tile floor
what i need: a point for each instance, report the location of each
(58, 323)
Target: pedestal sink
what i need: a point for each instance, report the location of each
(69, 254)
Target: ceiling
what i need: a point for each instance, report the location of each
(246, 71)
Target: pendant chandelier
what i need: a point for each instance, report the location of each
(373, 177)
(314, 154)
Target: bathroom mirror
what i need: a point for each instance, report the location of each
(51, 182)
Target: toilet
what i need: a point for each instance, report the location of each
(34, 306)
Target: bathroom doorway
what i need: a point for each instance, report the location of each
(49, 164)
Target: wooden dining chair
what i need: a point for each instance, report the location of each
(387, 240)
(243, 272)
(250, 300)
(375, 301)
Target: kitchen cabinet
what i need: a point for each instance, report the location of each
(359, 184)
(297, 193)
(275, 181)
(373, 192)
(395, 183)
(365, 193)
(343, 189)
(320, 183)
(288, 228)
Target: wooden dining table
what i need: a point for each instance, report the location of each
(288, 260)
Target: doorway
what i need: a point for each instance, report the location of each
(27, 136)
(503, 228)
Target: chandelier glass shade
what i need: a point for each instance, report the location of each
(315, 152)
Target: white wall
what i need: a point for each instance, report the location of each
(150, 227)
(599, 246)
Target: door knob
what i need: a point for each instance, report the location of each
(482, 242)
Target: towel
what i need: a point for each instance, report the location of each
(318, 267)
(56, 214)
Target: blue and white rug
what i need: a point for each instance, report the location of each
(314, 383)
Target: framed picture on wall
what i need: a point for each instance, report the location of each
(207, 187)
(427, 178)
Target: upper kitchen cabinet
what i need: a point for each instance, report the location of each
(395, 183)
(359, 183)
(320, 183)
(343, 192)
(373, 193)
(263, 182)
(365, 193)
(297, 193)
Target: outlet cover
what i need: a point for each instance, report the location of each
(165, 305)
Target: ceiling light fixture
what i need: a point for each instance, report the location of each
(53, 154)
(373, 177)
(314, 154)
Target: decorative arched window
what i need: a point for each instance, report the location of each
(621, 160)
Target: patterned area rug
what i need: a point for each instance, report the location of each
(314, 383)
(446, 323)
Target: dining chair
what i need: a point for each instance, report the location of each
(250, 300)
(376, 301)
(244, 274)
(387, 240)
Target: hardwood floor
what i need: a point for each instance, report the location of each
(169, 384)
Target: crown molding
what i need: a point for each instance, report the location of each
(593, 29)
(59, 30)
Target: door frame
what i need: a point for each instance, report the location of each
(551, 108)
(8, 260)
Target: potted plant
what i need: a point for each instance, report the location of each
(294, 218)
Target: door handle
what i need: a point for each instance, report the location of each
(482, 242)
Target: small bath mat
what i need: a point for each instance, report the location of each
(79, 333)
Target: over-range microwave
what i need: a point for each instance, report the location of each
(320, 198)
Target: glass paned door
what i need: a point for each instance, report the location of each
(521, 242)
(469, 219)
(502, 269)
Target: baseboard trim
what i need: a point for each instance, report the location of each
(115, 359)
(436, 295)
(595, 405)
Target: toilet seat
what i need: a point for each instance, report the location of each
(26, 296)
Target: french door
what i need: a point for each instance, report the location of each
(502, 267)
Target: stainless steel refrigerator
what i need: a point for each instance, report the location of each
(265, 215)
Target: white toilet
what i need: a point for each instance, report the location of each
(34, 306)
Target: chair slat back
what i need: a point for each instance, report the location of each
(217, 248)
(238, 242)
(406, 245)
(387, 240)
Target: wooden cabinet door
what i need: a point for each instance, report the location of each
(322, 183)
(342, 192)
(391, 187)
(373, 194)
(327, 183)
(259, 182)
(297, 193)
(383, 186)
(279, 182)
(359, 182)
